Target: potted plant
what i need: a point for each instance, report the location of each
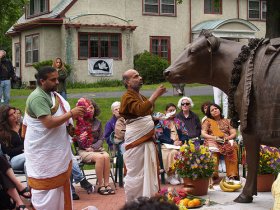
(269, 167)
(195, 164)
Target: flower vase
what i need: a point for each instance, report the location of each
(196, 187)
(264, 182)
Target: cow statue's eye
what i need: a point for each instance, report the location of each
(191, 50)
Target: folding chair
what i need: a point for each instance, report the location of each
(161, 170)
(88, 176)
(116, 153)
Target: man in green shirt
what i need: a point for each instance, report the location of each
(47, 146)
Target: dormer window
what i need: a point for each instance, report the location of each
(37, 7)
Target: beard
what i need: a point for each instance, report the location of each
(137, 86)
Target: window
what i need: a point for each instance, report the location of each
(160, 46)
(159, 7)
(212, 6)
(96, 45)
(17, 58)
(257, 9)
(31, 49)
(37, 7)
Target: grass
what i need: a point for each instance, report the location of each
(26, 92)
(105, 104)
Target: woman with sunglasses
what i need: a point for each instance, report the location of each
(189, 118)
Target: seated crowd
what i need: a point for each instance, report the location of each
(172, 128)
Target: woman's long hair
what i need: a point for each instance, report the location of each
(5, 127)
(62, 67)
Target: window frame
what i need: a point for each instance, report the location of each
(159, 38)
(159, 6)
(260, 10)
(17, 56)
(37, 13)
(100, 34)
(32, 49)
(213, 8)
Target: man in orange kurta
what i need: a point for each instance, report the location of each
(140, 155)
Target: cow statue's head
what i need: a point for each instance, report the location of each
(195, 62)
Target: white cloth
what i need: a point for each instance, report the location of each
(221, 98)
(48, 199)
(275, 189)
(141, 161)
(47, 151)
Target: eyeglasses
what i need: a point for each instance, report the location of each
(183, 104)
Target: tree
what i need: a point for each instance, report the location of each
(10, 12)
(272, 19)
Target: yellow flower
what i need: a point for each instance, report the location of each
(192, 148)
(203, 150)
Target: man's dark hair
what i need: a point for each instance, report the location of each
(43, 73)
(144, 203)
(170, 105)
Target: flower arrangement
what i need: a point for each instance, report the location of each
(193, 161)
(269, 160)
(83, 129)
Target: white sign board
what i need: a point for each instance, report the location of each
(100, 67)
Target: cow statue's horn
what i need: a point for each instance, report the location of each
(214, 42)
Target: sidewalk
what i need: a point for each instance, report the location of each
(224, 200)
(199, 90)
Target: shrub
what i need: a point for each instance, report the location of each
(38, 65)
(150, 67)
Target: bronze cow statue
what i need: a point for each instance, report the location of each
(251, 77)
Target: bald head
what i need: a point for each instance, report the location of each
(127, 75)
(132, 79)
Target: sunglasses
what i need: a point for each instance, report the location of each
(183, 104)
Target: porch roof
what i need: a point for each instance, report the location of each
(228, 28)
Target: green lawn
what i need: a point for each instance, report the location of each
(105, 104)
(26, 92)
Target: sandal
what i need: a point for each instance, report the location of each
(102, 190)
(21, 207)
(24, 192)
(110, 190)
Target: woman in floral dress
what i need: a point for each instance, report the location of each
(170, 131)
(219, 137)
(89, 135)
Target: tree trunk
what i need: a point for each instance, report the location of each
(273, 19)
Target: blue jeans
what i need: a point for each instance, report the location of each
(17, 162)
(5, 89)
(76, 175)
(64, 95)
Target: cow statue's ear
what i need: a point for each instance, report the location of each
(213, 43)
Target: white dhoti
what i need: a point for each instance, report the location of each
(48, 162)
(140, 161)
